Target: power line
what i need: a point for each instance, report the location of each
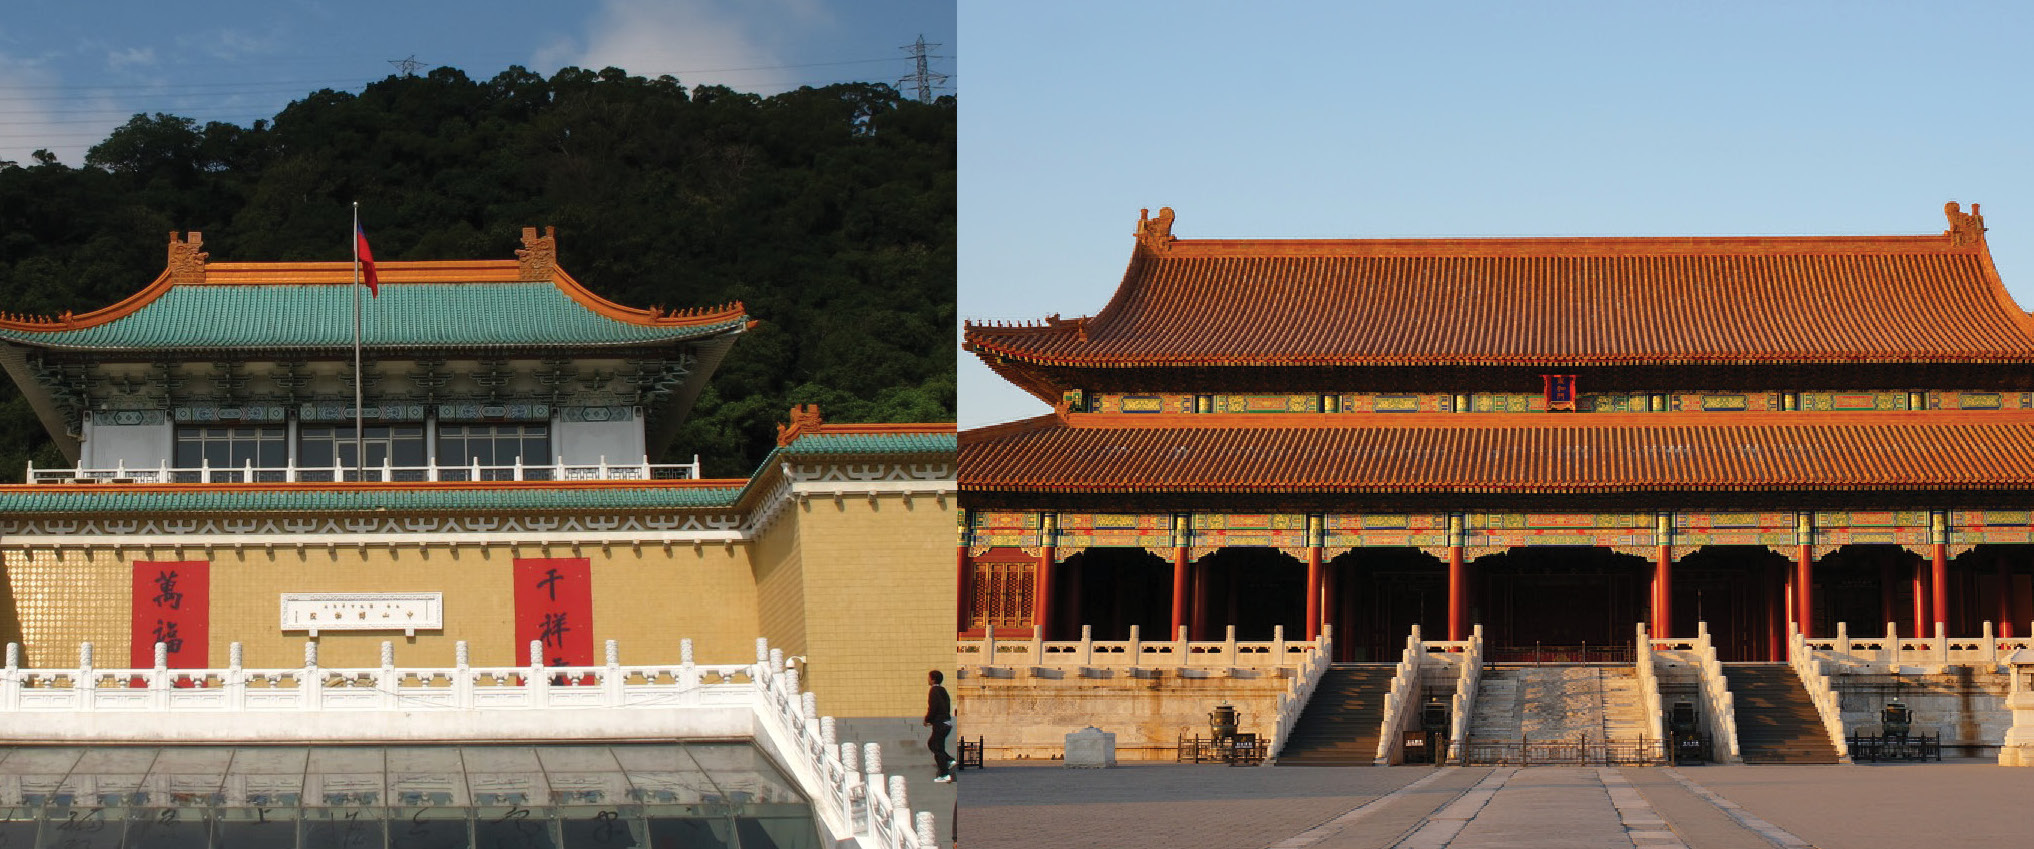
(407, 65)
(923, 80)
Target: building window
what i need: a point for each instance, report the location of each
(401, 446)
(494, 445)
(231, 447)
(1002, 595)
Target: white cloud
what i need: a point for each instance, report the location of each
(133, 56)
(701, 42)
(31, 122)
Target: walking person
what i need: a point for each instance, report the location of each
(939, 715)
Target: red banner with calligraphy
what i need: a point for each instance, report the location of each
(172, 605)
(554, 606)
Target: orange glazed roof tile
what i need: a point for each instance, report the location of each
(1539, 302)
(1500, 453)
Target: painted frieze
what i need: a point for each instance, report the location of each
(1115, 530)
(1274, 530)
(1361, 530)
(1004, 529)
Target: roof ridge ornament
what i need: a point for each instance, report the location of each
(1965, 228)
(186, 262)
(1155, 233)
(805, 419)
(538, 257)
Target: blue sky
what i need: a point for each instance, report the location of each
(71, 71)
(1315, 120)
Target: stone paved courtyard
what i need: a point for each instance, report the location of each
(1910, 806)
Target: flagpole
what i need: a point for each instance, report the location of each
(359, 379)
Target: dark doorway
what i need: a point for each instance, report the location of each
(1865, 586)
(1568, 597)
(1111, 589)
(1375, 597)
(1989, 583)
(1255, 589)
(1739, 592)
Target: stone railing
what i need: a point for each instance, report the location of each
(1405, 690)
(1299, 691)
(1820, 691)
(1719, 705)
(1888, 653)
(86, 703)
(1402, 703)
(385, 473)
(1649, 687)
(1187, 656)
(1462, 708)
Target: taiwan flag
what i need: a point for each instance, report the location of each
(365, 261)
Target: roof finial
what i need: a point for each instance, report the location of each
(186, 262)
(1964, 228)
(1155, 233)
(805, 419)
(539, 254)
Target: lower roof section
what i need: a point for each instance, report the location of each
(809, 453)
(1504, 455)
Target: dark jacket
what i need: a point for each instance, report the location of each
(938, 707)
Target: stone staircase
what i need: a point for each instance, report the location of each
(1342, 722)
(1559, 703)
(1776, 721)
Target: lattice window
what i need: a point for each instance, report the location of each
(1002, 596)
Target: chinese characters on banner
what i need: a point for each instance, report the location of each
(172, 605)
(554, 606)
(1560, 391)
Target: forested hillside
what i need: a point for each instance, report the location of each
(829, 212)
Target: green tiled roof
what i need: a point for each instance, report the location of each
(113, 498)
(886, 443)
(491, 315)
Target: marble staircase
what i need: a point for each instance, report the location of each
(1559, 703)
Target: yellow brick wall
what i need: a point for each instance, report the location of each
(646, 599)
(63, 600)
(879, 600)
(780, 586)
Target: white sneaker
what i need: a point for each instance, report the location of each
(942, 779)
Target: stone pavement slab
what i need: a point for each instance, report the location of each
(1693, 819)
(1904, 806)
(1543, 808)
(1954, 805)
(1179, 806)
(1384, 822)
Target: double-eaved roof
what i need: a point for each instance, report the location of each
(1552, 302)
(478, 304)
(1636, 315)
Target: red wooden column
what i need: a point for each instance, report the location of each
(1663, 578)
(1939, 550)
(1920, 573)
(1330, 608)
(1313, 577)
(2004, 581)
(1200, 601)
(1663, 602)
(1458, 590)
(1779, 583)
(1179, 575)
(1804, 573)
(1041, 584)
